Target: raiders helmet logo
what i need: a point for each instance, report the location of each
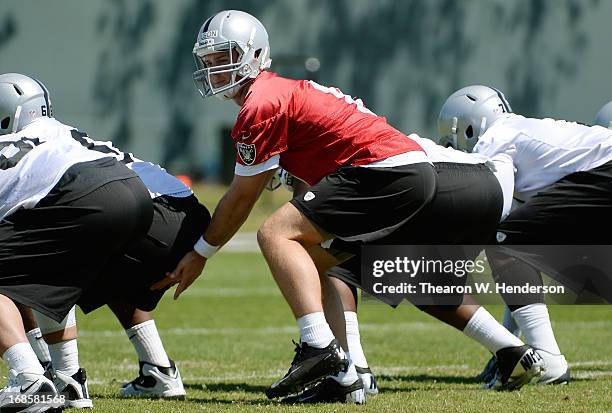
(246, 152)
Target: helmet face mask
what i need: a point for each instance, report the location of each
(226, 59)
(468, 113)
(22, 100)
(244, 40)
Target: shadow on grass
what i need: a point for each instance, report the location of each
(214, 400)
(227, 387)
(261, 400)
(421, 378)
(198, 400)
(432, 379)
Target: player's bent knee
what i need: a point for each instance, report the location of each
(267, 231)
(282, 224)
(263, 237)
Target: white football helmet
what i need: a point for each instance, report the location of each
(604, 116)
(22, 100)
(467, 114)
(224, 32)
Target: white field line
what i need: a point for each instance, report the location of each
(379, 371)
(385, 370)
(270, 374)
(591, 363)
(591, 374)
(376, 327)
(242, 242)
(203, 331)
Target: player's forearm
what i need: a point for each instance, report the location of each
(231, 212)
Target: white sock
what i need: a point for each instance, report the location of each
(21, 358)
(510, 322)
(485, 329)
(349, 376)
(39, 345)
(147, 343)
(314, 330)
(354, 340)
(534, 321)
(65, 356)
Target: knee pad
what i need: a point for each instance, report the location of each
(48, 325)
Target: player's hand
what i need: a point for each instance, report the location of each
(185, 273)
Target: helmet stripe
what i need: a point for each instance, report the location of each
(206, 24)
(46, 94)
(501, 96)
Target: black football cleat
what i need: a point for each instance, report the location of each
(517, 366)
(309, 365)
(330, 391)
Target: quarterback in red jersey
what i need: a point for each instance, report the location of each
(295, 122)
(356, 163)
(366, 180)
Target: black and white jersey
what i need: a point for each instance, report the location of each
(156, 179)
(33, 160)
(438, 153)
(500, 164)
(545, 150)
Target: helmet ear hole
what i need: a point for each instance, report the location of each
(257, 53)
(5, 123)
(469, 132)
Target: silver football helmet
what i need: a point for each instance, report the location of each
(229, 31)
(467, 114)
(604, 116)
(22, 100)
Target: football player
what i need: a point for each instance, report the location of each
(562, 183)
(602, 118)
(65, 212)
(346, 292)
(453, 168)
(177, 222)
(357, 165)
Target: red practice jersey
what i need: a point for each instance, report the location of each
(315, 129)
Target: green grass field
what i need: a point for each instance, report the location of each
(231, 333)
(209, 195)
